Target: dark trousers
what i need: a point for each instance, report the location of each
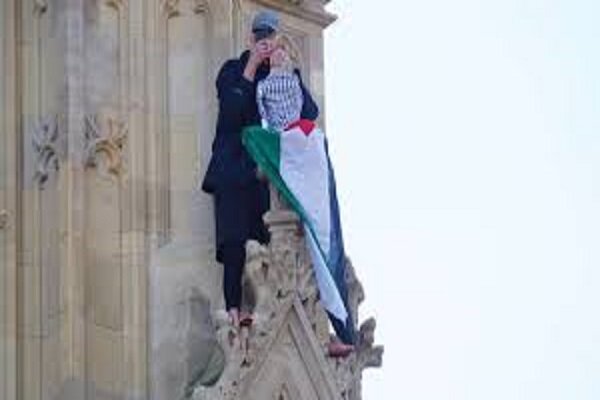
(234, 259)
(239, 212)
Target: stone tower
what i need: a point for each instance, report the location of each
(108, 285)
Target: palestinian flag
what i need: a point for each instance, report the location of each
(297, 163)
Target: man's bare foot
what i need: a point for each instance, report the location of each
(246, 318)
(338, 349)
(234, 316)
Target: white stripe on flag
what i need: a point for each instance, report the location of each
(305, 170)
(330, 295)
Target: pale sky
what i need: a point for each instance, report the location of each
(466, 140)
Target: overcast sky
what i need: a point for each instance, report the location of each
(466, 140)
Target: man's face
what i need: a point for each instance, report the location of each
(266, 45)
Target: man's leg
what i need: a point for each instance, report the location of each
(258, 199)
(234, 258)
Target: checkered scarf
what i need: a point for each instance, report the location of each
(279, 98)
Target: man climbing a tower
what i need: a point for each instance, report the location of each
(240, 197)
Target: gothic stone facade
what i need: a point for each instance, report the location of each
(108, 288)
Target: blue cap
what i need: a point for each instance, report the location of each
(265, 23)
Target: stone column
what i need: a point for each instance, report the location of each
(8, 202)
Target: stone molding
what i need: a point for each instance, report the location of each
(301, 9)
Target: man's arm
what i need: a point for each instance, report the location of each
(235, 84)
(235, 93)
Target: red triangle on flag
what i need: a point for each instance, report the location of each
(306, 125)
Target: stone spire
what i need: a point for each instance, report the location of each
(283, 354)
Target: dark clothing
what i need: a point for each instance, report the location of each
(234, 258)
(240, 199)
(239, 212)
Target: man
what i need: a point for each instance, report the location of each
(240, 197)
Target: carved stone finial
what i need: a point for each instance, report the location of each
(366, 355)
(369, 356)
(46, 147)
(105, 136)
(356, 293)
(200, 6)
(116, 4)
(40, 7)
(3, 219)
(170, 8)
(175, 8)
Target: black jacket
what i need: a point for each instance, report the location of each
(230, 166)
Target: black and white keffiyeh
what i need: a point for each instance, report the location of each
(279, 98)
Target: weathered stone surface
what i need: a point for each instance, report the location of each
(283, 352)
(107, 114)
(184, 347)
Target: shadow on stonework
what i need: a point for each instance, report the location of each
(185, 353)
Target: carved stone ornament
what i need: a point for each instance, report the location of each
(46, 145)
(116, 4)
(40, 7)
(280, 288)
(349, 371)
(105, 138)
(172, 8)
(200, 6)
(3, 219)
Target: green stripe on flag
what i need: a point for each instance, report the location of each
(264, 146)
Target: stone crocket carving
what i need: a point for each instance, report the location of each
(47, 147)
(349, 371)
(105, 136)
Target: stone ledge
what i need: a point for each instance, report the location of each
(298, 8)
